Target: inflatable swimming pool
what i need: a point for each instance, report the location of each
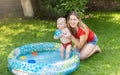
(41, 59)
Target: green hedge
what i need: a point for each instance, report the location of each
(52, 9)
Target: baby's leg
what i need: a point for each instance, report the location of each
(68, 50)
(62, 51)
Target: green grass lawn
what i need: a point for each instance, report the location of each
(15, 33)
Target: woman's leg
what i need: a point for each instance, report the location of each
(98, 50)
(87, 51)
(95, 50)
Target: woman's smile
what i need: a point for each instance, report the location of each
(73, 21)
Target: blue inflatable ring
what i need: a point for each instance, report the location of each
(48, 67)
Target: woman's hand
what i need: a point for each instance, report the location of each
(76, 41)
(79, 42)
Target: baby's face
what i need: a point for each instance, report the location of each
(61, 24)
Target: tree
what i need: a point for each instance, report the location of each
(27, 8)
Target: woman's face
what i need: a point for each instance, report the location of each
(73, 21)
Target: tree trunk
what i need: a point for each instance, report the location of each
(27, 8)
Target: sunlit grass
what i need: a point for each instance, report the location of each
(106, 25)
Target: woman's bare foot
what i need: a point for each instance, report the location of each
(98, 50)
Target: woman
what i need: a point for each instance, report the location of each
(84, 39)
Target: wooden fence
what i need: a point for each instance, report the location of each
(10, 8)
(13, 8)
(107, 5)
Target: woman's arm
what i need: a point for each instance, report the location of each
(79, 43)
(86, 29)
(83, 39)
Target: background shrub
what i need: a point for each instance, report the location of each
(52, 9)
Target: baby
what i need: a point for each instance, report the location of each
(64, 34)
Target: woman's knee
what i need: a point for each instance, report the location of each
(83, 57)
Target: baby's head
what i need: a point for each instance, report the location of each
(61, 23)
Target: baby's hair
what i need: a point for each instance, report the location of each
(62, 18)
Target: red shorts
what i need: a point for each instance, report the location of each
(66, 44)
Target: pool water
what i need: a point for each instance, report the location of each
(52, 56)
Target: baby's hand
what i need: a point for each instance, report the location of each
(61, 35)
(58, 33)
(55, 37)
